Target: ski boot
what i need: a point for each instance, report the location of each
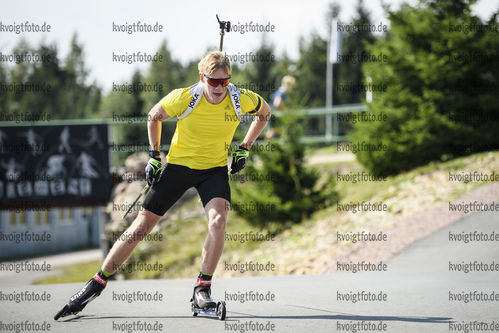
(79, 301)
(202, 303)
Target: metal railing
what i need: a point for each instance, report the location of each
(334, 128)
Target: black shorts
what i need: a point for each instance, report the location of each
(176, 179)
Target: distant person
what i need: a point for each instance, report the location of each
(278, 101)
(197, 158)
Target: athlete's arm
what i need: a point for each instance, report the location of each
(257, 126)
(156, 116)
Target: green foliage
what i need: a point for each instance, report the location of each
(66, 93)
(262, 77)
(311, 73)
(169, 73)
(350, 71)
(283, 182)
(429, 91)
(310, 87)
(135, 106)
(262, 73)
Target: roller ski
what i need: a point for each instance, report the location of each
(88, 293)
(202, 303)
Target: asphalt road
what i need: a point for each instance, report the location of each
(423, 289)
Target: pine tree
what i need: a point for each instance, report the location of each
(283, 184)
(354, 44)
(438, 76)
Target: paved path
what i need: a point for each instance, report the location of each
(418, 285)
(337, 157)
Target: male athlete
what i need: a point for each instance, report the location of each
(197, 158)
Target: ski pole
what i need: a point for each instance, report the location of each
(144, 190)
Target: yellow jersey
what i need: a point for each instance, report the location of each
(202, 139)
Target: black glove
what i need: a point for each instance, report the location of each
(153, 169)
(239, 158)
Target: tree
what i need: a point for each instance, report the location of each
(4, 98)
(168, 73)
(310, 74)
(262, 73)
(59, 90)
(283, 189)
(45, 74)
(354, 44)
(310, 89)
(78, 99)
(437, 76)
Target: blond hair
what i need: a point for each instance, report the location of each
(288, 81)
(213, 61)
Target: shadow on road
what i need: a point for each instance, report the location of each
(236, 316)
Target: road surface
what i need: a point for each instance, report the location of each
(423, 289)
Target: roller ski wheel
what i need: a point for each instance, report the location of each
(193, 310)
(219, 311)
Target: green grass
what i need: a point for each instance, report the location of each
(75, 273)
(321, 151)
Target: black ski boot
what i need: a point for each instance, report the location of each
(88, 293)
(202, 303)
(202, 297)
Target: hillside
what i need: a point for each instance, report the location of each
(416, 203)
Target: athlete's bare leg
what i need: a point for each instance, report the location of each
(216, 210)
(124, 246)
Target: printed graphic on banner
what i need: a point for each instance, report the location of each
(62, 165)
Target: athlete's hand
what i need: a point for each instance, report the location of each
(239, 158)
(153, 169)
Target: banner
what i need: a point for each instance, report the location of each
(60, 165)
